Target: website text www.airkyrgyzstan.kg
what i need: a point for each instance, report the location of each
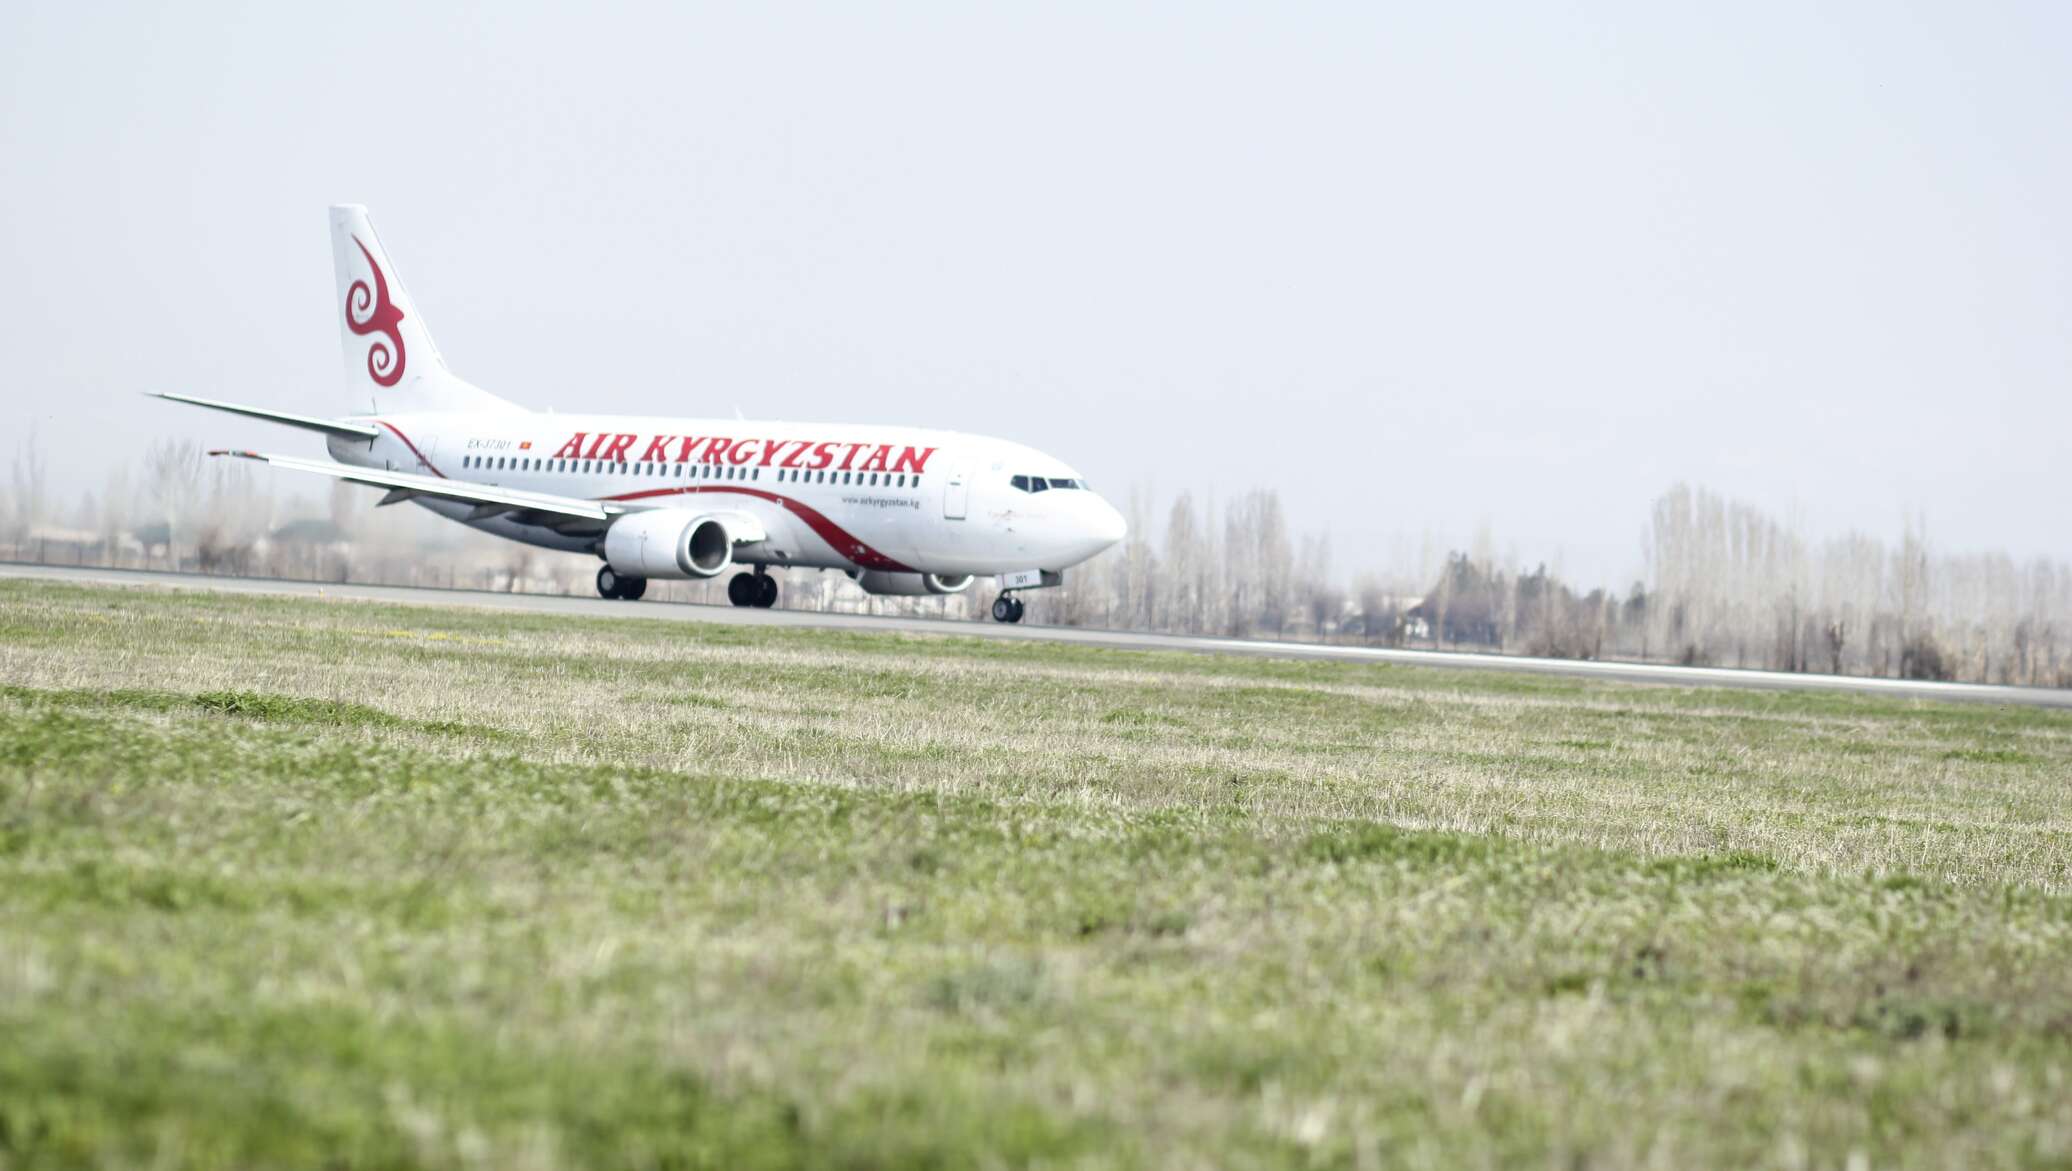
(883, 501)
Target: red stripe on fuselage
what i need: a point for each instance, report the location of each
(412, 446)
(841, 540)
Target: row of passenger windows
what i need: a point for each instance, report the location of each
(502, 463)
(866, 479)
(1044, 484)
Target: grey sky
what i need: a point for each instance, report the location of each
(1421, 267)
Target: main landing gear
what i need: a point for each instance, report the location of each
(756, 589)
(1007, 608)
(613, 584)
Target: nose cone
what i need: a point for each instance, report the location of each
(1108, 524)
(1085, 529)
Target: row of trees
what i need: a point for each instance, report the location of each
(1726, 584)
(1733, 586)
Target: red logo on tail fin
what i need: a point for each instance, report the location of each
(371, 311)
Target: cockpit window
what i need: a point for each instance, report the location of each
(1043, 483)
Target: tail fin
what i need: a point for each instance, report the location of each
(389, 355)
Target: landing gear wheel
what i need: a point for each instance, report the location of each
(608, 583)
(765, 591)
(742, 590)
(630, 588)
(1007, 608)
(1019, 607)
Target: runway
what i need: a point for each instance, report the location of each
(591, 608)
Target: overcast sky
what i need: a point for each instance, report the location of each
(1420, 267)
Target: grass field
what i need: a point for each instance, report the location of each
(290, 883)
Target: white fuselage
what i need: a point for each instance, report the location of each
(831, 496)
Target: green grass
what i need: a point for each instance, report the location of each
(305, 884)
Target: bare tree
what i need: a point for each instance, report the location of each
(29, 478)
(172, 475)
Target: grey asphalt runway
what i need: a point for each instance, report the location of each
(585, 608)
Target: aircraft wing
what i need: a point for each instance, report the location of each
(488, 499)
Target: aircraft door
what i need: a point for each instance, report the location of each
(956, 495)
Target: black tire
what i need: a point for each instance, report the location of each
(608, 583)
(1020, 608)
(765, 591)
(630, 588)
(1003, 609)
(741, 590)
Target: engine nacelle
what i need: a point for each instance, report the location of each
(877, 581)
(669, 543)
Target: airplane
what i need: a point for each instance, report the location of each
(901, 510)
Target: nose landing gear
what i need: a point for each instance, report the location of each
(756, 589)
(1007, 608)
(615, 585)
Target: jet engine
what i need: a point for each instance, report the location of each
(877, 581)
(670, 543)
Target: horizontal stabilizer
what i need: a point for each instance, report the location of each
(439, 488)
(306, 422)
